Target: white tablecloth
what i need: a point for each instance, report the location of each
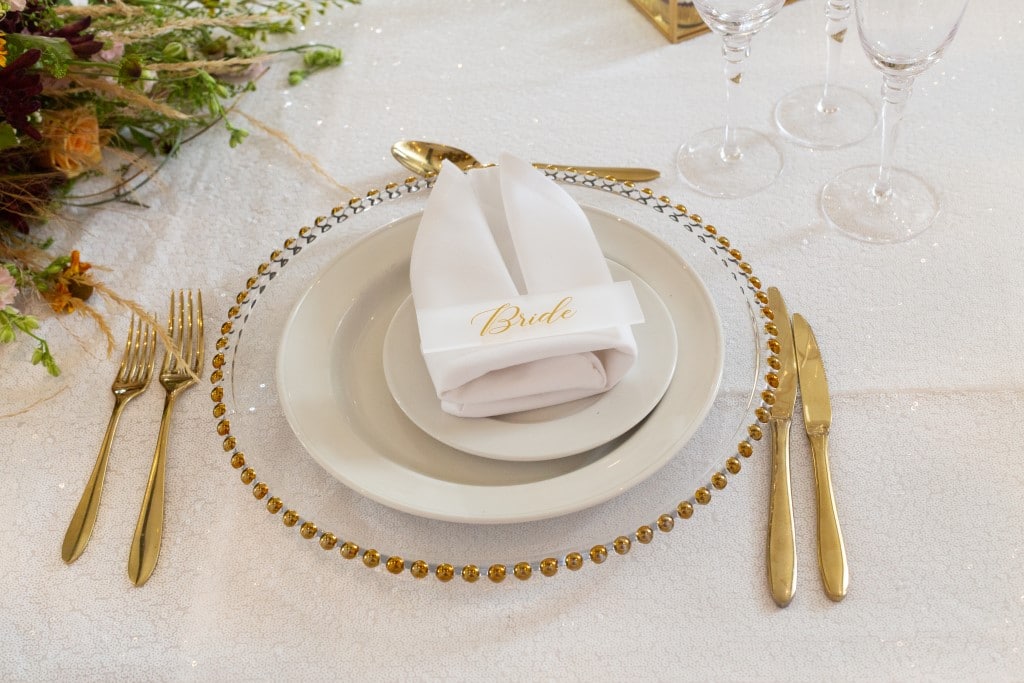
(922, 343)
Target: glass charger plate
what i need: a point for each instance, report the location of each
(290, 486)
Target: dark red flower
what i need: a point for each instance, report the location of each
(82, 44)
(19, 93)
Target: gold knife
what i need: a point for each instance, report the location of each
(817, 420)
(781, 533)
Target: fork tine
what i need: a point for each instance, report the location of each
(198, 364)
(127, 349)
(142, 359)
(168, 353)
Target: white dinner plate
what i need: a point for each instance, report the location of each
(555, 431)
(332, 389)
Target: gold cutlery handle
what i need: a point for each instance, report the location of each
(617, 172)
(781, 532)
(835, 572)
(145, 547)
(80, 529)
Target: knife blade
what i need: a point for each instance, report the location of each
(781, 532)
(817, 421)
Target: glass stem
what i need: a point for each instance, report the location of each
(895, 93)
(735, 49)
(837, 17)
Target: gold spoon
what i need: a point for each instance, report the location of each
(423, 157)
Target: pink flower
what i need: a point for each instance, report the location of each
(8, 288)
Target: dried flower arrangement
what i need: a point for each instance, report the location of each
(111, 89)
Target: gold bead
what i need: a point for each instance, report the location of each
(695, 217)
(772, 379)
(395, 564)
(234, 312)
(219, 410)
(724, 241)
(761, 297)
(229, 444)
(680, 208)
(745, 449)
(251, 282)
(549, 566)
(685, 509)
(248, 475)
(419, 569)
(259, 491)
(573, 561)
(496, 573)
(763, 414)
(754, 282)
(304, 231)
(274, 505)
(217, 394)
(622, 545)
(735, 253)
(348, 550)
(307, 530)
(290, 518)
(719, 480)
(710, 228)
(522, 571)
(289, 243)
(274, 256)
(768, 397)
(218, 360)
(371, 558)
(755, 432)
(470, 573)
(355, 201)
(226, 327)
(238, 460)
(702, 495)
(664, 200)
(645, 534)
(598, 554)
(328, 541)
(444, 572)
(240, 297)
(221, 344)
(224, 427)
(767, 312)
(771, 329)
(666, 523)
(216, 376)
(774, 363)
(746, 268)
(733, 465)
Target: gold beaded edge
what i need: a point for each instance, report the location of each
(522, 570)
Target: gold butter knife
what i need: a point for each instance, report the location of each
(817, 421)
(781, 532)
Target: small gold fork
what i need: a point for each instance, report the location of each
(179, 371)
(133, 377)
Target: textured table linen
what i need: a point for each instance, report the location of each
(922, 344)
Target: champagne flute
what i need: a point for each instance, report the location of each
(827, 116)
(902, 38)
(732, 162)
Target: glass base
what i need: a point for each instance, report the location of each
(850, 119)
(703, 167)
(851, 206)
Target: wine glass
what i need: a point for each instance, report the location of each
(902, 38)
(827, 116)
(732, 162)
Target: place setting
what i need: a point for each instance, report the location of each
(546, 452)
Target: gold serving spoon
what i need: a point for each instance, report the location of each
(425, 157)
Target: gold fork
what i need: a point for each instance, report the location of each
(180, 370)
(133, 377)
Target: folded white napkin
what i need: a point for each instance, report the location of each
(496, 233)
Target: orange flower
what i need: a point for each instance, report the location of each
(72, 141)
(72, 286)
